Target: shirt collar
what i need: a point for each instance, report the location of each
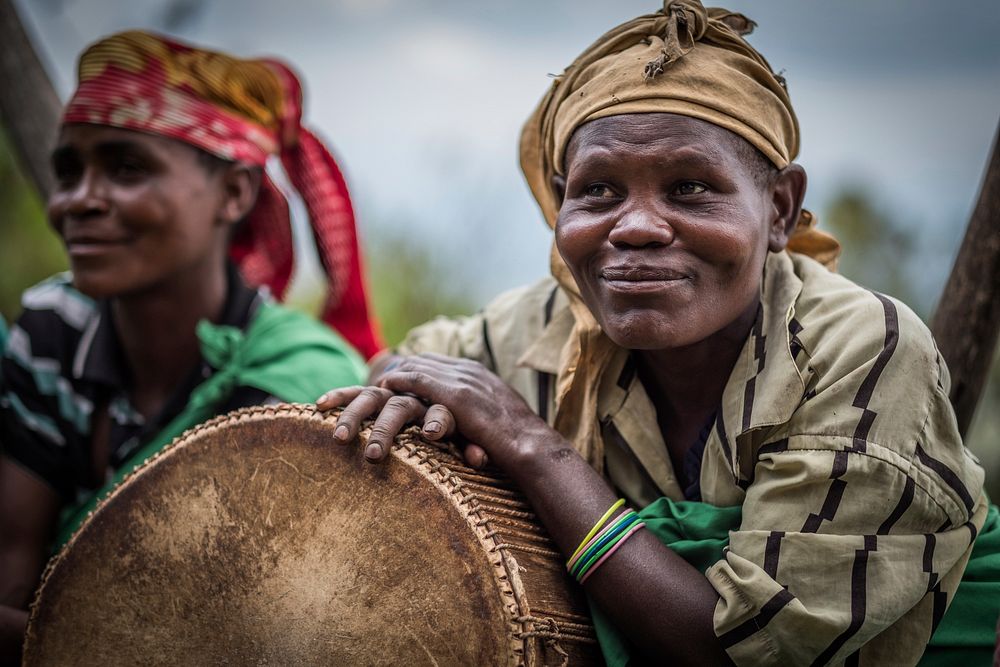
(545, 354)
(765, 386)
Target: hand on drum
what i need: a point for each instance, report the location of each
(446, 396)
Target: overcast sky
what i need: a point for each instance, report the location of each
(423, 101)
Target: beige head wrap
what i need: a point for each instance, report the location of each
(686, 60)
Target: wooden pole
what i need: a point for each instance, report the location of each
(29, 106)
(967, 318)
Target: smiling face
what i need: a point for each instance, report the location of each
(665, 224)
(136, 210)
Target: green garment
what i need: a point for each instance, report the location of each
(699, 532)
(282, 352)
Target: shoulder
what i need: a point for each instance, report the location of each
(52, 324)
(306, 334)
(523, 312)
(44, 410)
(283, 353)
(851, 334)
(876, 387)
(57, 297)
(510, 322)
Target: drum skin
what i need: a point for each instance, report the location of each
(253, 539)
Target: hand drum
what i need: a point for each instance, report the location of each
(254, 539)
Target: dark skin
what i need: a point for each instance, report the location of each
(665, 224)
(146, 222)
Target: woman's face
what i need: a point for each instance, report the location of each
(134, 210)
(665, 225)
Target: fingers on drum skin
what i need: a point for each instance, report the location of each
(439, 423)
(335, 398)
(368, 401)
(397, 413)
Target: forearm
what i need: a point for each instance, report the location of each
(662, 603)
(12, 626)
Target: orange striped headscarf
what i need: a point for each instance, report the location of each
(238, 110)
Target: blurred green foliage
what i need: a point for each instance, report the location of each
(29, 251)
(408, 287)
(876, 250)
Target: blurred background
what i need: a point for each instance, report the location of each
(422, 102)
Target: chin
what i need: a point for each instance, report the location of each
(98, 284)
(647, 336)
(95, 289)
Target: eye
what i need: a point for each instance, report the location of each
(67, 171)
(690, 188)
(128, 168)
(600, 191)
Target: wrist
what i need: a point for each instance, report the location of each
(536, 447)
(380, 363)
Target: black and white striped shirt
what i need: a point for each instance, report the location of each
(62, 361)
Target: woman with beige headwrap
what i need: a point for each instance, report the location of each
(694, 354)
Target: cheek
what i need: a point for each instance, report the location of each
(577, 241)
(55, 209)
(734, 250)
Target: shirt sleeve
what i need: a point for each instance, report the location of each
(464, 337)
(39, 410)
(800, 586)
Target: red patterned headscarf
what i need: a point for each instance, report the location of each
(238, 110)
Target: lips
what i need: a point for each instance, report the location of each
(89, 244)
(641, 274)
(642, 280)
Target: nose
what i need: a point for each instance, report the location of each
(641, 226)
(86, 198)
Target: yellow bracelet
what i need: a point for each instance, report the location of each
(597, 527)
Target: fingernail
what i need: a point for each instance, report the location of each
(341, 433)
(322, 399)
(483, 461)
(432, 427)
(373, 451)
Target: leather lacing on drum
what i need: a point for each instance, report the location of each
(508, 507)
(497, 519)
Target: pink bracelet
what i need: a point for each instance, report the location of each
(611, 551)
(596, 538)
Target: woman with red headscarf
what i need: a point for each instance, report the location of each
(178, 174)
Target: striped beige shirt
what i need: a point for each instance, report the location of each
(835, 434)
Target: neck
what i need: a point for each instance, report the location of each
(156, 329)
(686, 384)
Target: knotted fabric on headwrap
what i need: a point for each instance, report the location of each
(685, 60)
(238, 110)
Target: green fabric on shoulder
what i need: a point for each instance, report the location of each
(699, 532)
(282, 352)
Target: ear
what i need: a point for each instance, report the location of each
(559, 187)
(241, 183)
(788, 189)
